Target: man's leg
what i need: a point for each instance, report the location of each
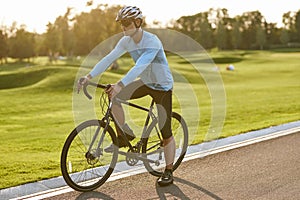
(119, 116)
(169, 151)
(164, 108)
(119, 121)
(165, 115)
(132, 91)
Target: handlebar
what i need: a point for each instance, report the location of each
(84, 87)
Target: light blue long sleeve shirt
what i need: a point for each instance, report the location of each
(151, 64)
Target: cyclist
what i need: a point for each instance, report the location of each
(154, 79)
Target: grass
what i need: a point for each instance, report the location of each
(36, 104)
(262, 92)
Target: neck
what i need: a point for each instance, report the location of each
(137, 35)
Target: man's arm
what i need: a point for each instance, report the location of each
(105, 62)
(141, 64)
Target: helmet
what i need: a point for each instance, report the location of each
(129, 12)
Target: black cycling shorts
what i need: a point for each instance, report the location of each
(163, 100)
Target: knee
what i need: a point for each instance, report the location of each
(168, 140)
(115, 103)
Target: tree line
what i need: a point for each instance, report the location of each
(77, 35)
(250, 30)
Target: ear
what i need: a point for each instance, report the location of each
(138, 23)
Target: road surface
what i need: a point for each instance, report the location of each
(265, 170)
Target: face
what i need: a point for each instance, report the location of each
(128, 27)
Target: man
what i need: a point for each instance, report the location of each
(154, 79)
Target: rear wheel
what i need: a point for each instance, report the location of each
(153, 147)
(85, 165)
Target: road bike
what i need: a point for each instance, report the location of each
(85, 165)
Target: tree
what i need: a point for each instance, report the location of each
(289, 21)
(221, 21)
(22, 44)
(52, 40)
(3, 46)
(284, 37)
(65, 34)
(197, 27)
(236, 36)
(221, 36)
(251, 21)
(59, 37)
(94, 27)
(260, 37)
(272, 34)
(40, 48)
(206, 34)
(297, 25)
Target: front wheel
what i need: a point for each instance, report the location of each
(153, 149)
(85, 165)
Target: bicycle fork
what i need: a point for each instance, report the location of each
(99, 151)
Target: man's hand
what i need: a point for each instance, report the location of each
(113, 90)
(81, 82)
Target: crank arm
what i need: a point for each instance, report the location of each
(138, 156)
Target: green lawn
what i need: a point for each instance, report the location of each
(36, 104)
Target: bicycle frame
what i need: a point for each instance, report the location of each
(108, 116)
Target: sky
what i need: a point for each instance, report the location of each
(36, 14)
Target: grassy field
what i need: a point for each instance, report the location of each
(36, 105)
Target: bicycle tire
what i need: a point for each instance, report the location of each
(82, 171)
(153, 138)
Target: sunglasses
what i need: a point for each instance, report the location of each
(126, 23)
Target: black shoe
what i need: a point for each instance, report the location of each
(110, 148)
(129, 135)
(166, 178)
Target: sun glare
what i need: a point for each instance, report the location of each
(36, 14)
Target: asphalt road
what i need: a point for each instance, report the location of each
(265, 170)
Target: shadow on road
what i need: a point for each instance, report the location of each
(174, 190)
(162, 192)
(93, 195)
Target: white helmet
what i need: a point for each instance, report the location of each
(129, 12)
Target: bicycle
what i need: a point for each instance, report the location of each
(85, 165)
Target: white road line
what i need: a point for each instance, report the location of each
(66, 189)
(191, 156)
(240, 144)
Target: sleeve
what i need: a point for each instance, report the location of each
(142, 63)
(105, 62)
